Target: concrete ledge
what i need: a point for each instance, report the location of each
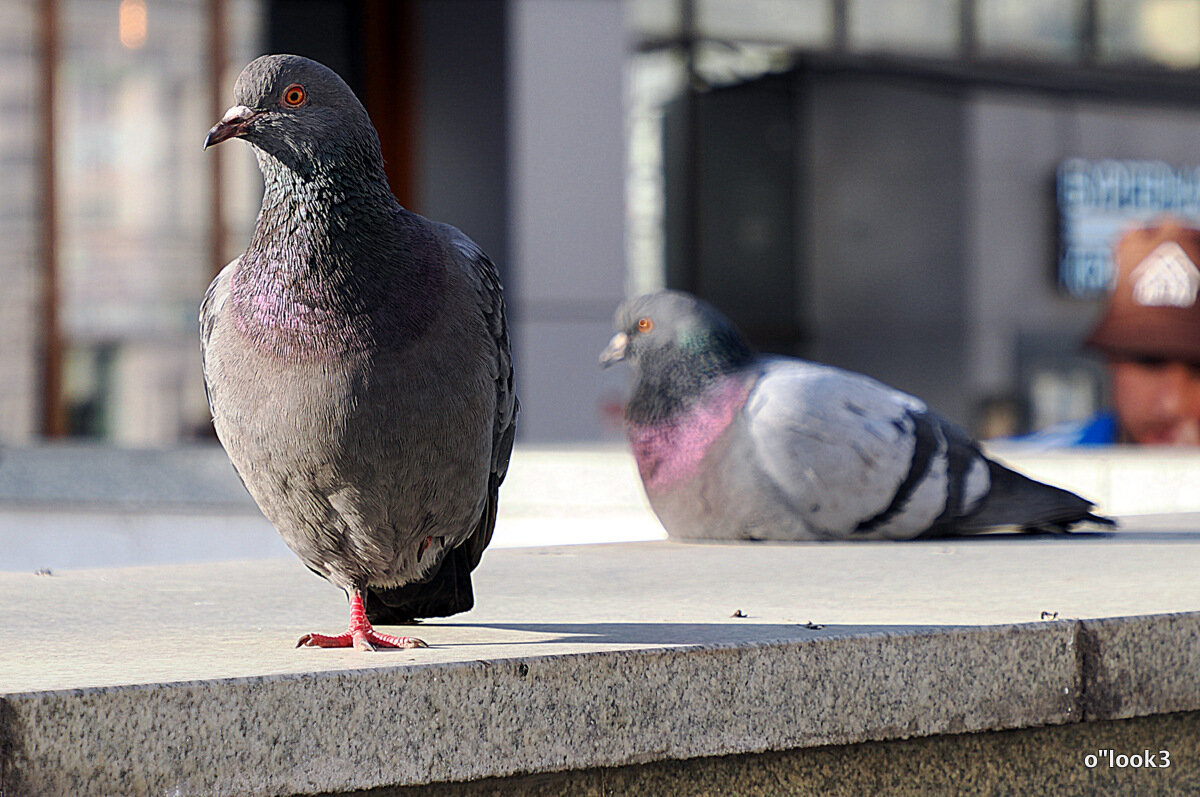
(553, 496)
(1122, 480)
(1046, 760)
(334, 732)
(182, 679)
(344, 731)
(73, 505)
(578, 479)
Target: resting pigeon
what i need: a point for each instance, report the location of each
(356, 360)
(733, 445)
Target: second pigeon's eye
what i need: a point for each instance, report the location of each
(645, 325)
(294, 95)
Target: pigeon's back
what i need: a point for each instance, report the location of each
(812, 454)
(861, 460)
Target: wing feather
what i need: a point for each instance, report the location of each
(856, 457)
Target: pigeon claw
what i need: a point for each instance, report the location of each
(360, 635)
(373, 637)
(365, 639)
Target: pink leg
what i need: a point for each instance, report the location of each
(360, 634)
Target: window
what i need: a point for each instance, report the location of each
(135, 211)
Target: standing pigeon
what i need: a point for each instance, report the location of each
(356, 361)
(731, 445)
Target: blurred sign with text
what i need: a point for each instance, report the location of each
(1098, 200)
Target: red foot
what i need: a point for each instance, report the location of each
(360, 634)
(370, 639)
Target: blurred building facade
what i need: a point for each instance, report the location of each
(108, 213)
(871, 183)
(922, 190)
(503, 117)
(19, 221)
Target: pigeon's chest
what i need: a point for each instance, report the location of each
(297, 313)
(276, 400)
(290, 328)
(673, 452)
(317, 387)
(295, 326)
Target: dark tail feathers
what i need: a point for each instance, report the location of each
(1017, 500)
(448, 592)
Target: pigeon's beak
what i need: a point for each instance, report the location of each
(232, 125)
(615, 351)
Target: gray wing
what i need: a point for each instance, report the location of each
(856, 458)
(491, 304)
(449, 590)
(212, 305)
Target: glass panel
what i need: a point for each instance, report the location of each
(1165, 32)
(793, 22)
(1044, 29)
(723, 63)
(19, 142)
(654, 80)
(133, 108)
(927, 27)
(803, 23)
(654, 19)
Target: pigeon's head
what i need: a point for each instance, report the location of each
(674, 331)
(301, 113)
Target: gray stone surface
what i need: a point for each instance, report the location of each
(73, 505)
(1123, 662)
(183, 679)
(1123, 480)
(78, 506)
(83, 476)
(101, 476)
(345, 730)
(1030, 761)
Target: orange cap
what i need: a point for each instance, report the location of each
(1154, 307)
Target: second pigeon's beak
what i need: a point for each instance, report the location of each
(232, 125)
(616, 350)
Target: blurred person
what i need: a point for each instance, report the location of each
(1150, 337)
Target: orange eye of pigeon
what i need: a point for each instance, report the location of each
(645, 325)
(294, 95)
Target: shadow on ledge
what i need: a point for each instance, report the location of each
(682, 634)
